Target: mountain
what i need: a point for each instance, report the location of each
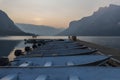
(104, 22)
(7, 26)
(39, 29)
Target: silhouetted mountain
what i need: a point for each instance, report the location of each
(7, 26)
(39, 29)
(104, 22)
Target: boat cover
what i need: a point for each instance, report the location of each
(63, 60)
(60, 73)
(63, 52)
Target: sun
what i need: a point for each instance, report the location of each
(37, 19)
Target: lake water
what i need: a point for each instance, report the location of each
(113, 42)
(10, 43)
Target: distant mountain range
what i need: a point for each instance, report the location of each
(104, 22)
(7, 26)
(39, 29)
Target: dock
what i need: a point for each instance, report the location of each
(60, 59)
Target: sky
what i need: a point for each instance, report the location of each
(56, 13)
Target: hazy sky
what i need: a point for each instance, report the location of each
(57, 13)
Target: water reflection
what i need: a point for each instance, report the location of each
(20, 46)
(10, 43)
(29, 37)
(108, 41)
(7, 46)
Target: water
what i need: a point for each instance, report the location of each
(10, 43)
(113, 42)
(30, 37)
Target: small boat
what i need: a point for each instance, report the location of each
(92, 60)
(59, 60)
(62, 52)
(59, 73)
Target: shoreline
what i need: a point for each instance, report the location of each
(115, 53)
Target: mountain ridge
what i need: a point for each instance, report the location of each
(104, 22)
(42, 30)
(7, 26)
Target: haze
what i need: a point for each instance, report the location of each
(56, 13)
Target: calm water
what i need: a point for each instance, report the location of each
(10, 43)
(113, 42)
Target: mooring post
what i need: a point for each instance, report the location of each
(74, 38)
(69, 37)
(34, 37)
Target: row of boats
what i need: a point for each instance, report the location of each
(59, 60)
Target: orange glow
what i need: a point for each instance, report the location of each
(56, 13)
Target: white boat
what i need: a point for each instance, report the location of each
(60, 60)
(60, 73)
(86, 60)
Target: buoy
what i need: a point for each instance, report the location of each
(39, 44)
(25, 39)
(34, 46)
(60, 40)
(74, 38)
(43, 42)
(18, 52)
(34, 41)
(27, 49)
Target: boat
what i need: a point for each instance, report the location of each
(95, 60)
(59, 59)
(59, 73)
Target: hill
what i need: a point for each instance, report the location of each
(7, 26)
(104, 22)
(39, 29)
